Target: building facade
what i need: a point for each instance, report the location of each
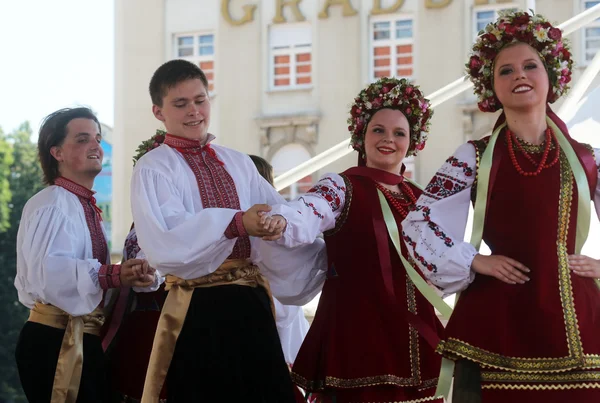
(283, 72)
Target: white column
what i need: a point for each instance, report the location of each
(139, 50)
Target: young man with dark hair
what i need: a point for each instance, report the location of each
(197, 209)
(63, 267)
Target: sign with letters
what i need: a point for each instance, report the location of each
(346, 6)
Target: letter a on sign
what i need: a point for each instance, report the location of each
(346, 11)
(293, 4)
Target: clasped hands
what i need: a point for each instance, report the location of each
(259, 223)
(137, 273)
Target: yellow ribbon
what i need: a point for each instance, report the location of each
(447, 367)
(67, 377)
(174, 311)
(427, 291)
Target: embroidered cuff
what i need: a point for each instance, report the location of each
(109, 276)
(236, 227)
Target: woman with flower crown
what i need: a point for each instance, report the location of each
(374, 334)
(526, 325)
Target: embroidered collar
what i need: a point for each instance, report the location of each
(185, 143)
(194, 147)
(80, 191)
(75, 188)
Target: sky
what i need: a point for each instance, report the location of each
(55, 54)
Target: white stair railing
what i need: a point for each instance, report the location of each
(442, 95)
(569, 106)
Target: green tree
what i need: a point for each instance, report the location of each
(6, 160)
(24, 180)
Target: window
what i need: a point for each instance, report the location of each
(290, 57)
(483, 15)
(591, 35)
(392, 48)
(198, 49)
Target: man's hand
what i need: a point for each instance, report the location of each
(501, 267)
(137, 273)
(252, 220)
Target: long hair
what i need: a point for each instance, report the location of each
(53, 133)
(264, 168)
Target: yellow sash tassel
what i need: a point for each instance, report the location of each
(70, 359)
(174, 311)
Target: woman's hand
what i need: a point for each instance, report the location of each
(584, 266)
(501, 267)
(137, 273)
(275, 224)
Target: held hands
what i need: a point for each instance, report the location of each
(584, 266)
(275, 224)
(258, 223)
(501, 267)
(137, 273)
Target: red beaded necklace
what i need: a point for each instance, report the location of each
(397, 203)
(550, 137)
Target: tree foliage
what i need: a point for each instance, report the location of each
(20, 179)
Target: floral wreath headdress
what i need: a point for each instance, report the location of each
(513, 27)
(391, 93)
(149, 145)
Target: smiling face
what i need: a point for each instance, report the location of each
(387, 140)
(80, 154)
(520, 78)
(185, 110)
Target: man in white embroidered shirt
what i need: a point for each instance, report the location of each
(197, 210)
(63, 267)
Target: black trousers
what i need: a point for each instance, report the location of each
(229, 350)
(37, 354)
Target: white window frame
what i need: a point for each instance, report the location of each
(488, 7)
(292, 50)
(196, 57)
(594, 24)
(392, 43)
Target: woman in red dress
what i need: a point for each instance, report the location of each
(366, 342)
(526, 325)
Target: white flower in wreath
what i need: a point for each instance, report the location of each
(496, 32)
(503, 13)
(537, 19)
(564, 65)
(541, 34)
